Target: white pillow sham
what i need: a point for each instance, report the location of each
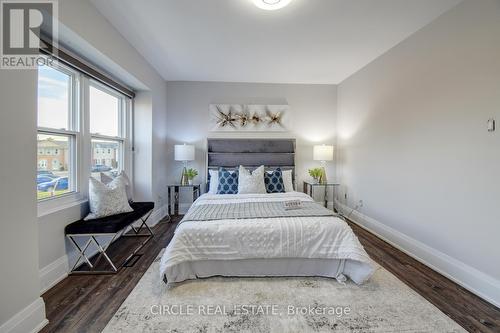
(106, 200)
(287, 180)
(214, 181)
(251, 182)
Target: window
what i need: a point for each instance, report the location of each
(57, 132)
(78, 117)
(55, 94)
(42, 164)
(105, 111)
(108, 114)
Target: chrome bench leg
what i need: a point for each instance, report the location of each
(102, 252)
(143, 225)
(82, 252)
(137, 233)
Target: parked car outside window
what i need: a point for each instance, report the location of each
(58, 184)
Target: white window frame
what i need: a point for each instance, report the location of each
(124, 122)
(79, 123)
(74, 134)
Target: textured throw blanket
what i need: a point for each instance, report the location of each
(250, 210)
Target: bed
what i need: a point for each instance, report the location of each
(251, 235)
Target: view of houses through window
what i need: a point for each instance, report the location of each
(53, 165)
(57, 131)
(105, 158)
(61, 130)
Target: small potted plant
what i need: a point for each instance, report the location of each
(191, 174)
(315, 174)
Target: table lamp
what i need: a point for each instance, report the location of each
(323, 153)
(184, 153)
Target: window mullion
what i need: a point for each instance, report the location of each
(121, 117)
(77, 109)
(86, 139)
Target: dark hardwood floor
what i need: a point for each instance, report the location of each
(86, 303)
(468, 310)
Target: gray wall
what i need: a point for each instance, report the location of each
(415, 148)
(313, 118)
(19, 285)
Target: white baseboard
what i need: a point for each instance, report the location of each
(56, 271)
(158, 215)
(477, 282)
(31, 319)
(53, 273)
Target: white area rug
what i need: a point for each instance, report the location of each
(384, 304)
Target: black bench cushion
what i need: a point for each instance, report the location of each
(110, 224)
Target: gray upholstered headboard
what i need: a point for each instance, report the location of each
(251, 153)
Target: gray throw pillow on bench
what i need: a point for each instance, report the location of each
(107, 199)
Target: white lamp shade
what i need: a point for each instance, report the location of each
(184, 152)
(323, 153)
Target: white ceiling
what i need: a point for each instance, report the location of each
(310, 41)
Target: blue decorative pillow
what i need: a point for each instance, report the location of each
(228, 181)
(274, 181)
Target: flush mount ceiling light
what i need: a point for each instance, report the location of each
(271, 4)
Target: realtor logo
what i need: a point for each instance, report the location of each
(23, 25)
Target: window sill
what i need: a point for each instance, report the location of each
(48, 207)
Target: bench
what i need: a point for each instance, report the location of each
(111, 226)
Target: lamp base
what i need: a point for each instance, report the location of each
(184, 177)
(322, 177)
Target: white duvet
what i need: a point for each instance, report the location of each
(324, 237)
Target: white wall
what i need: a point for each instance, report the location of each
(415, 148)
(312, 107)
(159, 152)
(19, 286)
(85, 31)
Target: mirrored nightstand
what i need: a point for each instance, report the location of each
(173, 193)
(310, 186)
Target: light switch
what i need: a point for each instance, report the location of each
(491, 125)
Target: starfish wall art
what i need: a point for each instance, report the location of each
(249, 117)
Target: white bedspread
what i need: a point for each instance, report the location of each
(325, 237)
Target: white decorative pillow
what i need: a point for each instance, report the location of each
(287, 180)
(106, 179)
(251, 182)
(214, 181)
(106, 200)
